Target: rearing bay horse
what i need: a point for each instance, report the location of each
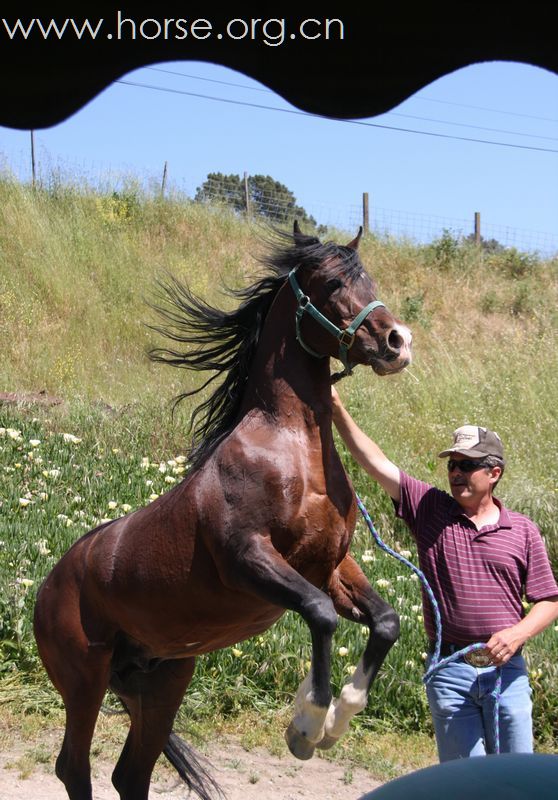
(261, 523)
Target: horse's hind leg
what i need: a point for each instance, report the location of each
(152, 699)
(355, 600)
(80, 671)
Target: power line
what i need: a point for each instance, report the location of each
(391, 113)
(482, 108)
(362, 123)
(212, 80)
(473, 127)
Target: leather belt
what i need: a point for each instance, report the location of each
(477, 658)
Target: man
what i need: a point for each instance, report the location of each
(479, 559)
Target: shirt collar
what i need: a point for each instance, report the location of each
(503, 522)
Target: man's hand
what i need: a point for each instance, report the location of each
(504, 644)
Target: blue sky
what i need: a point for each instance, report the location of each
(416, 183)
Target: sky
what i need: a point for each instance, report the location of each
(417, 184)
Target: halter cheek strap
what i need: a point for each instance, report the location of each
(345, 336)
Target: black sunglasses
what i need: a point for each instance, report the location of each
(465, 465)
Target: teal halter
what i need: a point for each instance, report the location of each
(345, 337)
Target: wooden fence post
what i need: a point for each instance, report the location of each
(164, 181)
(247, 196)
(477, 228)
(33, 172)
(365, 213)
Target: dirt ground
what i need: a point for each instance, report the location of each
(243, 775)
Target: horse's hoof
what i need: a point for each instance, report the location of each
(298, 744)
(327, 742)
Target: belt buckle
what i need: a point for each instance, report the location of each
(478, 658)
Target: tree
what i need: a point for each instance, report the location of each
(267, 197)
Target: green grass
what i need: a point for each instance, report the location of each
(75, 269)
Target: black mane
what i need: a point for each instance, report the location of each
(225, 342)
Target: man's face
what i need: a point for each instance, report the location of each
(470, 486)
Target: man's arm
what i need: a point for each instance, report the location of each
(505, 643)
(365, 451)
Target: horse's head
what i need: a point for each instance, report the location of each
(338, 313)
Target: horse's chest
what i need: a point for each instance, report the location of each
(317, 538)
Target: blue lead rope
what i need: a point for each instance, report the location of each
(437, 663)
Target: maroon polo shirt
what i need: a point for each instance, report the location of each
(479, 577)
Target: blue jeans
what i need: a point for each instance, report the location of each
(462, 707)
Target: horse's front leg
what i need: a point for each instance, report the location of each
(355, 600)
(259, 569)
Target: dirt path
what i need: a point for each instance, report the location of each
(243, 775)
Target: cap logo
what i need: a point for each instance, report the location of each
(467, 437)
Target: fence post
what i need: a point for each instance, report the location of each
(33, 172)
(164, 181)
(365, 213)
(247, 196)
(477, 228)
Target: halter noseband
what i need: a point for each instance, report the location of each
(345, 336)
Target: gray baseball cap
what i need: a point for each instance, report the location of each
(476, 442)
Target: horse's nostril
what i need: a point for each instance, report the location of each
(395, 340)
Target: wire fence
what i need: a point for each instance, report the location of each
(383, 222)
(272, 201)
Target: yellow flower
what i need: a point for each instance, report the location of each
(236, 652)
(343, 651)
(24, 502)
(112, 504)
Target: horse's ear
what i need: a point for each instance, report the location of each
(354, 244)
(302, 239)
(298, 236)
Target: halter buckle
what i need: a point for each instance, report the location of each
(346, 339)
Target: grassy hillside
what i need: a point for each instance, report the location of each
(76, 268)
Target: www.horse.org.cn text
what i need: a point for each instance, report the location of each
(272, 32)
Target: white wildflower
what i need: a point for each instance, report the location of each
(69, 438)
(43, 548)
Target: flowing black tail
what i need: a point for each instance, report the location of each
(193, 772)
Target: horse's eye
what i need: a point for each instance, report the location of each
(333, 284)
